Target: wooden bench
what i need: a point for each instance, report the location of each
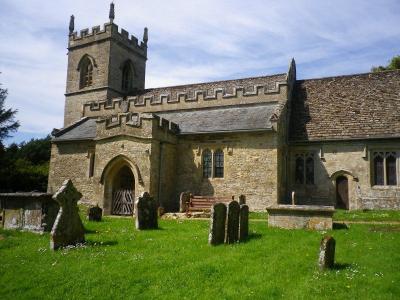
(204, 203)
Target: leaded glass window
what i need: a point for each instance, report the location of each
(207, 163)
(304, 168)
(219, 164)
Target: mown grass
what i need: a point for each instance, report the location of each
(175, 262)
(367, 215)
(352, 215)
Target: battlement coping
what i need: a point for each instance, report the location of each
(108, 30)
(135, 120)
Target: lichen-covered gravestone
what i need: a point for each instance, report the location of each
(232, 229)
(146, 212)
(216, 235)
(244, 222)
(94, 213)
(183, 201)
(327, 253)
(68, 228)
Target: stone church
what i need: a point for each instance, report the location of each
(332, 141)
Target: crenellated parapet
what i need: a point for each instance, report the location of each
(143, 125)
(193, 96)
(108, 31)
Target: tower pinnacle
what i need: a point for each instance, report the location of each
(145, 35)
(112, 12)
(71, 24)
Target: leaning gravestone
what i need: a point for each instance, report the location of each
(232, 230)
(68, 228)
(244, 222)
(146, 212)
(95, 213)
(216, 235)
(327, 253)
(242, 199)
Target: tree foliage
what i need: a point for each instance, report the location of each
(7, 117)
(25, 167)
(394, 64)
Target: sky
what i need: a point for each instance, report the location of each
(190, 42)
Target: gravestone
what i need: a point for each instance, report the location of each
(242, 199)
(146, 212)
(94, 213)
(232, 229)
(216, 235)
(244, 222)
(183, 201)
(327, 253)
(68, 228)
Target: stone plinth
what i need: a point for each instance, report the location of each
(301, 217)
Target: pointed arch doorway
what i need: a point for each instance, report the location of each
(123, 193)
(342, 192)
(122, 182)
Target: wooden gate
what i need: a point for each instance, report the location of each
(122, 202)
(342, 192)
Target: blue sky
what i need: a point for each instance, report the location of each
(191, 41)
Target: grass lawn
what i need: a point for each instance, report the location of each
(354, 215)
(176, 262)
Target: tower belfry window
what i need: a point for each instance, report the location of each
(127, 77)
(86, 73)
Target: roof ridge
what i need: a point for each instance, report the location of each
(212, 82)
(350, 75)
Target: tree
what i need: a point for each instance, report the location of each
(25, 167)
(394, 64)
(7, 117)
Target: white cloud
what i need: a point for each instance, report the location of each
(192, 41)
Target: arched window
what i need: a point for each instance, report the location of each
(127, 77)
(310, 170)
(86, 69)
(207, 163)
(218, 164)
(378, 170)
(299, 170)
(391, 173)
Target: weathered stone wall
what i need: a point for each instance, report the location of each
(118, 56)
(167, 182)
(70, 160)
(349, 159)
(250, 167)
(74, 103)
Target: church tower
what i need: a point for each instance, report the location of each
(102, 64)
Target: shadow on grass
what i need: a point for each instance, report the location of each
(339, 226)
(91, 231)
(101, 243)
(340, 266)
(252, 236)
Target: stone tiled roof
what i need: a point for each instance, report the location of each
(84, 129)
(238, 118)
(223, 119)
(346, 107)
